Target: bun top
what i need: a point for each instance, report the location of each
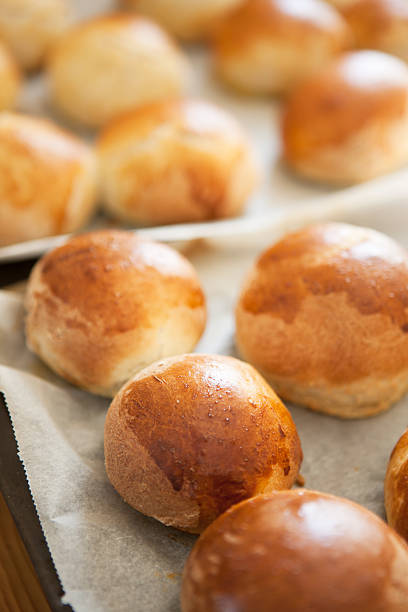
(211, 423)
(360, 88)
(296, 551)
(360, 265)
(372, 19)
(118, 280)
(189, 117)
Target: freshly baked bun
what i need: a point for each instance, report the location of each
(187, 19)
(9, 78)
(106, 304)
(396, 487)
(48, 179)
(324, 316)
(111, 64)
(31, 27)
(175, 161)
(380, 24)
(189, 436)
(349, 123)
(268, 46)
(295, 551)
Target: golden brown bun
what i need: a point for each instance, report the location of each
(9, 78)
(111, 64)
(268, 46)
(106, 304)
(48, 179)
(175, 161)
(324, 316)
(183, 18)
(189, 436)
(31, 27)
(349, 123)
(380, 24)
(297, 551)
(396, 487)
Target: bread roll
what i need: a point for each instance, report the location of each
(9, 78)
(48, 179)
(349, 123)
(396, 487)
(111, 64)
(295, 551)
(31, 27)
(187, 19)
(268, 46)
(189, 436)
(175, 161)
(324, 316)
(106, 304)
(380, 24)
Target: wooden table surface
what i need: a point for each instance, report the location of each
(20, 590)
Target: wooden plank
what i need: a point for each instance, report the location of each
(20, 590)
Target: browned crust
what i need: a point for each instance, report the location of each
(341, 101)
(295, 551)
(396, 487)
(109, 298)
(189, 437)
(324, 309)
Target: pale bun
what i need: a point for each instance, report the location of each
(268, 46)
(323, 315)
(108, 303)
(31, 27)
(380, 24)
(396, 487)
(175, 161)
(295, 551)
(9, 78)
(187, 19)
(110, 64)
(189, 436)
(48, 179)
(349, 123)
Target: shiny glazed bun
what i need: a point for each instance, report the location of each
(110, 64)
(349, 123)
(324, 316)
(268, 46)
(48, 179)
(295, 551)
(380, 24)
(396, 487)
(189, 436)
(108, 303)
(9, 78)
(31, 27)
(175, 161)
(187, 19)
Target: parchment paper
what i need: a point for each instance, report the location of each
(108, 556)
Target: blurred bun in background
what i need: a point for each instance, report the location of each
(187, 19)
(48, 179)
(175, 161)
(268, 46)
(349, 122)
(31, 27)
(110, 64)
(380, 24)
(10, 79)
(396, 487)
